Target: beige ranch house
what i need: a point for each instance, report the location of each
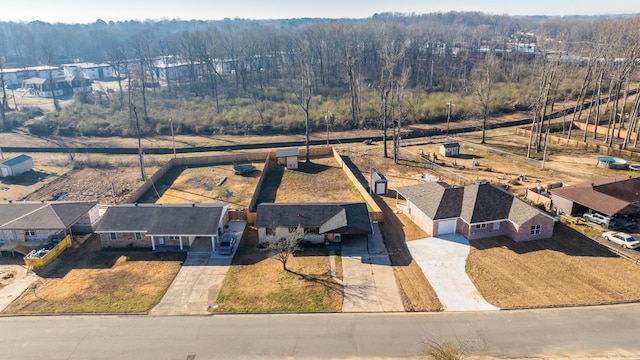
(162, 226)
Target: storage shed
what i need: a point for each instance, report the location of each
(288, 157)
(16, 166)
(450, 149)
(378, 183)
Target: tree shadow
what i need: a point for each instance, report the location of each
(310, 168)
(321, 279)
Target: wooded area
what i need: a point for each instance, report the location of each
(289, 76)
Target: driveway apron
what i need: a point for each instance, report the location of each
(443, 259)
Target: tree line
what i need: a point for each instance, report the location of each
(303, 74)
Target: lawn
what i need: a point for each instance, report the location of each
(257, 283)
(566, 270)
(89, 280)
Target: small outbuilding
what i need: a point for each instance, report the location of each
(16, 166)
(450, 149)
(288, 157)
(378, 183)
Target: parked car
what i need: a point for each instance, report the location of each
(622, 239)
(602, 220)
(226, 243)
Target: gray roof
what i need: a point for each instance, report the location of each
(450, 145)
(16, 160)
(377, 177)
(42, 216)
(290, 151)
(165, 219)
(476, 203)
(345, 218)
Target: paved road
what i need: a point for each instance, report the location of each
(595, 331)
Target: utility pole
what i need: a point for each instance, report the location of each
(449, 105)
(173, 138)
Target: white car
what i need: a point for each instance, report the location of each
(622, 239)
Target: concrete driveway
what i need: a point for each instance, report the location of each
(443, 259)
(20, 280)
(367, 276)
(196, 286)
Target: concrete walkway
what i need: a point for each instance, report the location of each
(23, 279)
(368, 279)
(443, 259)
(196, 286)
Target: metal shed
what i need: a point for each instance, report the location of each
(16, 166)
(288, 157)
(450, 149)
(378, 183)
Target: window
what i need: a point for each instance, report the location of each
(312, 230)
(481, 226)
(174, 237)
(293, 229)
(113, 236)
(270, 231)
(29, 233)
(138, 236)
(535, 230)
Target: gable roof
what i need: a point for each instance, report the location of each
(608, 195)
(450, 145)
(42, 216)
(290, 151)
(476, 203)
(377, 177)
(163, 219)
(346, 218)
(16, 160)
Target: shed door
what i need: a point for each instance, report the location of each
(447, 227)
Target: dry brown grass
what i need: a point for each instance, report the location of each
(568, 269)
(88, 280)
(257, 283)
(197, 185)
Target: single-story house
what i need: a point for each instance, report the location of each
(378, 183)
(474, 211)
(60, 86)
(450, 149)
(321, 222)
(36, 221)
(162, 226)
(610, 196)
(288, 157)
(16, 166)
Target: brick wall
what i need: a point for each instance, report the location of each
(124, 240)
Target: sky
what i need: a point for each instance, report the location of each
(88, 11)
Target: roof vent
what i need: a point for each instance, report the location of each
(10, 201)
(193, 205)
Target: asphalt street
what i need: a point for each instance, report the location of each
(607, 331)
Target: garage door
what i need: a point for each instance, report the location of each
(447, 227)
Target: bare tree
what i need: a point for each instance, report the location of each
(483, 88)
(4, 106)
(283, 248)
(47, 57)
(305, 93)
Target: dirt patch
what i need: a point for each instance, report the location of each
(566, 270)
(87, 279)
(93, 184)
(200, 185)
(256, 283)
(322, 180)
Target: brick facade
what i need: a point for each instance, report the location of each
(124, 240)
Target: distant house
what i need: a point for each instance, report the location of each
(162, 226)
(378, 183)
(320, 222)
(450, 149)
(288, 157)
(610, 196)
(58, 86)
(89, 71)
(36, 221)
(16, 166)
(474, 211)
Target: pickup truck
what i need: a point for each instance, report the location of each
(602, 220)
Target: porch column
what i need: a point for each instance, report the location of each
(153, 243)
(213, 243)
(180, 238)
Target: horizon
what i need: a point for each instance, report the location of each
(66, 12)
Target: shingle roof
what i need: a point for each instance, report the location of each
(16, 160)
(450, 145)
(173, 219)
(476, 203)
(347, 218)
(608, 195)
(42, 216)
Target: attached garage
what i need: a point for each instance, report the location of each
(446, 227)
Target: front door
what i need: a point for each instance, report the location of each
(160, 240)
